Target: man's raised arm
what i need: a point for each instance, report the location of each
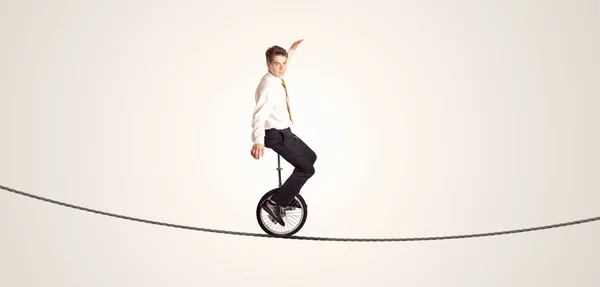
(292, 50)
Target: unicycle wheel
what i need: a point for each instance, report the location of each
(294, 217)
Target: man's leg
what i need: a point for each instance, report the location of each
(299, 155)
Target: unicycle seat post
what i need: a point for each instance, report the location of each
(279, 168)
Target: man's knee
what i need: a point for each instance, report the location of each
(312, 167)
(309, 170)
(312, 156)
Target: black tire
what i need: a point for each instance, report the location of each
(262, 225)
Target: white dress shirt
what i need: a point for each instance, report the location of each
(271, 106)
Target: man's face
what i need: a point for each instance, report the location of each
(278, 66)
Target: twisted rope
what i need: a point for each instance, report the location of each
(305, 237)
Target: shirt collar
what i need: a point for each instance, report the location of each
(273, 77)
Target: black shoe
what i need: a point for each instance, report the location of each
(274, 210)
(294, 203)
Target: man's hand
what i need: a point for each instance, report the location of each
(257, 151)
(296, 44)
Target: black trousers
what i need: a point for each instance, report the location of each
(298, 154)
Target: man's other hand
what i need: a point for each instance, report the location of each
(296, 44)
(257, 151)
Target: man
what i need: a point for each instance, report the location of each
(271, 124)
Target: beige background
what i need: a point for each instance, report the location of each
(430, 118)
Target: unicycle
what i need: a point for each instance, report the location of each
(294, 216)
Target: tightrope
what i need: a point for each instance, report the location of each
(305, 237)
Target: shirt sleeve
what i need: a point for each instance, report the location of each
(290, 53)
(264, 107)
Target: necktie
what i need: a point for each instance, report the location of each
(287, 100)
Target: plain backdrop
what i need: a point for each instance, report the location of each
(429, 118)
